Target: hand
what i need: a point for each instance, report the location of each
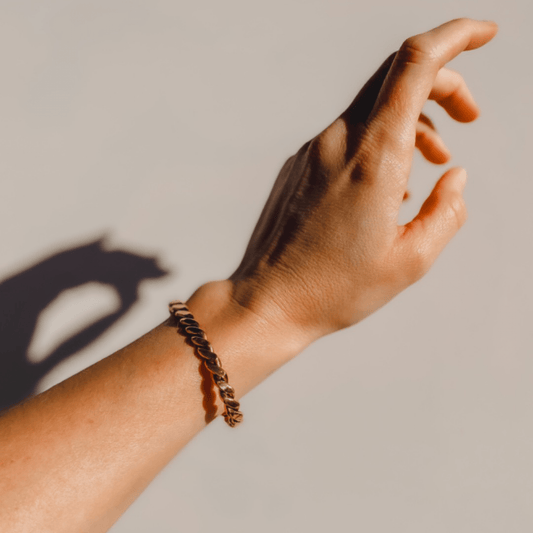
(327, 250)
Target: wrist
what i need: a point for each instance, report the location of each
(250, 344)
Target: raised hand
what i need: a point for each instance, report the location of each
(327, 250)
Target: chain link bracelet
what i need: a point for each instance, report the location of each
(188, 327)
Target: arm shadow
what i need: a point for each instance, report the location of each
(26, 294)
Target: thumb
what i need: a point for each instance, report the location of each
(438, 220)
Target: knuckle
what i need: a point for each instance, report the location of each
(464, 22)
(412, 261)
(420, 263)
(330, 145)
(417, 49)
(286, 168)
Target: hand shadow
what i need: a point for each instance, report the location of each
(26, 294)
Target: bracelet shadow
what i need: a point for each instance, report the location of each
(26, 294)
(209, 394)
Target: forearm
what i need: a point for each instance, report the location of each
(75, 457)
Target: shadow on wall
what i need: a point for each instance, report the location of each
(25, 295)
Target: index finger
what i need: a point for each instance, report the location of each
(412, 74)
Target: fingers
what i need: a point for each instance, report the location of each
(413, 73)
(451, 92)
(430, 143)
(391, 102)
(439, 219)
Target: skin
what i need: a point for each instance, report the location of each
(327, 252)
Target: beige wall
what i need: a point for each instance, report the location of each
(162, 125)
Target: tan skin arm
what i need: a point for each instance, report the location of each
(326, 252)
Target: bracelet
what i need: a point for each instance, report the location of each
(188, 327)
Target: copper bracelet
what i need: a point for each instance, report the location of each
(188, 327)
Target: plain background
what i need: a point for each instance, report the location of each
(161, 125)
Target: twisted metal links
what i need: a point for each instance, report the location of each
(191, 329)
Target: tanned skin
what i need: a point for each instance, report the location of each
(326, 252)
